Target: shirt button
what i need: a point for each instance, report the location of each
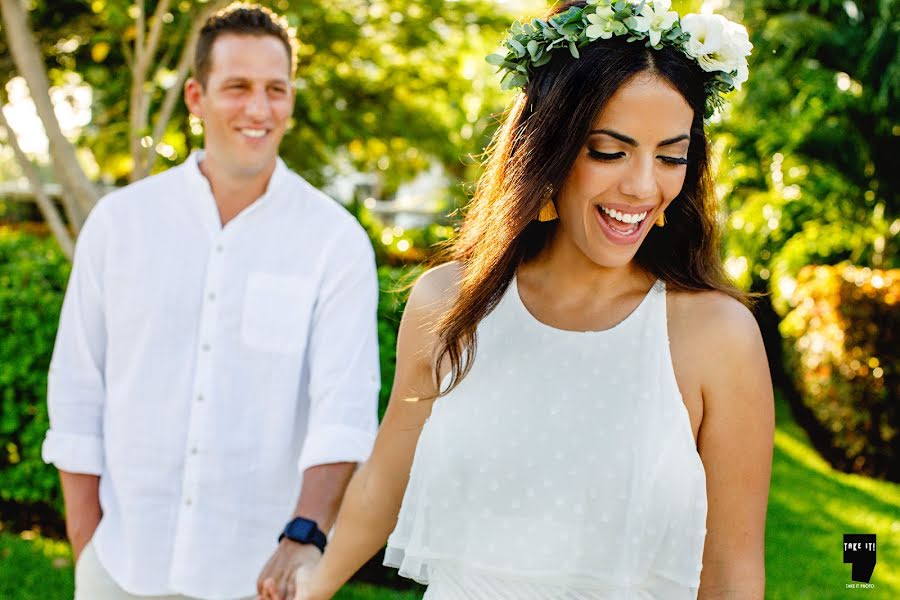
(194, 450)
(187, 502)
(212, 296)
(199, 397)
(219, 248)
(205, 347)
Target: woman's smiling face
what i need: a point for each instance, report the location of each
(630, 169)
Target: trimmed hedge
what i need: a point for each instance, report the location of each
(33, 276)
(841, 345)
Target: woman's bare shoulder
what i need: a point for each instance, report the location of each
(436, 290)
(712, 329)
(712, 313)
(431, 297)
(718, 339)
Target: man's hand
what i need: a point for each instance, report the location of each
(83, 513)
(277, 581)
(79, 541)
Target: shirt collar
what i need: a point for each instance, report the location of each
(203, 191)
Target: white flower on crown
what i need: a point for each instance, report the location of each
(655, 18)
(603, 25)
(718, 45)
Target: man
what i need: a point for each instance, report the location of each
(218, 330)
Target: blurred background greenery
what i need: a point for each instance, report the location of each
(395, 104)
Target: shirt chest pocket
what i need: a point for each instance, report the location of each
(277, 312)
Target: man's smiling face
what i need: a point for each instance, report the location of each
(245, 103)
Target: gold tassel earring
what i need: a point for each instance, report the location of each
(548, 210)
(661, 219)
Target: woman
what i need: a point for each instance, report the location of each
(611, 434)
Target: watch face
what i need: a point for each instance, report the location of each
(300, 529)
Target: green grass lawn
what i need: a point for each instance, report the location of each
(34, 568)
(810, 508)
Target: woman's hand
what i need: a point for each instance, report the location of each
(276, 581)
(306, 586)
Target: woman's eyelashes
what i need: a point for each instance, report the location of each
(597, 155)
(609, 157)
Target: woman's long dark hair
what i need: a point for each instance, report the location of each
(534, 149)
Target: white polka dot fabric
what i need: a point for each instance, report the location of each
(563, 466)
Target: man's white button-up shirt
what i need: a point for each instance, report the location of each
(197, 366)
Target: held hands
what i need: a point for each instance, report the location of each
(290, 565)
(305, 585)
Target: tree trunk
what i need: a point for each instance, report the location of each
(144, 158)
(139, 106)
(45, 204)
(173, 94)
(27, 56)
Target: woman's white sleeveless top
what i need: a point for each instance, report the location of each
(562, 467)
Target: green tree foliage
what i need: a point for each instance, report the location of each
(391, 84)
(384, 86)
(809, 151)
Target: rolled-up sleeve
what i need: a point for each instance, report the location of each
(75, 383)
(343, 356)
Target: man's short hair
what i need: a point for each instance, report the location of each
(241, 18)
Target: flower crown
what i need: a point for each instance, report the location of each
(718, 45)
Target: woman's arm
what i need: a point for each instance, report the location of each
(372, 502)
(735, 445)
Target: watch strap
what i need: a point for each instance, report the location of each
(312, 535)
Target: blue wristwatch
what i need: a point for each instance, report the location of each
(304, 531)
